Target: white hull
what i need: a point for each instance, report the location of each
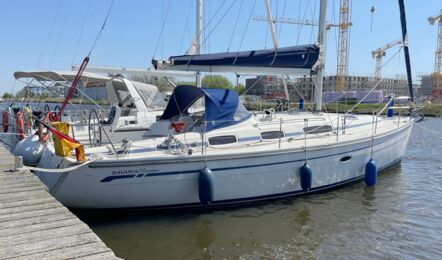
(173, 181)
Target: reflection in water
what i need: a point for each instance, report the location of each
(399, 218)
(302, 217)
(369, 197)
(204, 239)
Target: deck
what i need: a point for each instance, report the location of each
(34, 225)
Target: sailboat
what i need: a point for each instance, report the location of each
(224, 154)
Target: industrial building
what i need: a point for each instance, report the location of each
(271, 87)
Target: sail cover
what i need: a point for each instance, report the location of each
(288, 60)
(222, 106)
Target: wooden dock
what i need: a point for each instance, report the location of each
(34, 225)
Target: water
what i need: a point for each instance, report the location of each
(399, 218)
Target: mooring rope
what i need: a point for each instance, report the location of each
(58, 170)
(439, 134)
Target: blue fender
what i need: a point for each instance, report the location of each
(371, 173)
(206, 183)
(306, 177)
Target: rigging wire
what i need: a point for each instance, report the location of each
(207, 36)
(253, 85)
(247, 25)
(303, 19)
(161, 31)
(49, 33)
(100, 33)
(299, 18)
(234, 27)
(294, 86)
(216, 25)
(83, 65)
(283, 13)
(85, 60)
(377, 83)
(81, 32)
(57, 44)
(215, 14)
(186, 27)
(312, 27)
(208, 41)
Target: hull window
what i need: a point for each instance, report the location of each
(272, 135)
(318, 129)
(220, 140)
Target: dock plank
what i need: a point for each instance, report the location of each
(18, 223)
(19, 184)
(85, 251)
(19, 196)
(41, 235)
(20, 189)
(34, 225)
(32, 214)
(13, 204)
(41, 246)
(28, 208)
(38, 226)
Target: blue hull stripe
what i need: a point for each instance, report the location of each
(115, 177)
(251, 200)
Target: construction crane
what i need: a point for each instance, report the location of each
(292, 21)
(379, 53)
(344, 25)
(343, 42)
(437, 90)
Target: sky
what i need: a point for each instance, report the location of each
(54, 34)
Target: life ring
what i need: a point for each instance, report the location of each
(20, 122)
(43, 137)
(5, 121)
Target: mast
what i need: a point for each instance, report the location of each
(199, 36)
(406, 52)
(322, 37)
